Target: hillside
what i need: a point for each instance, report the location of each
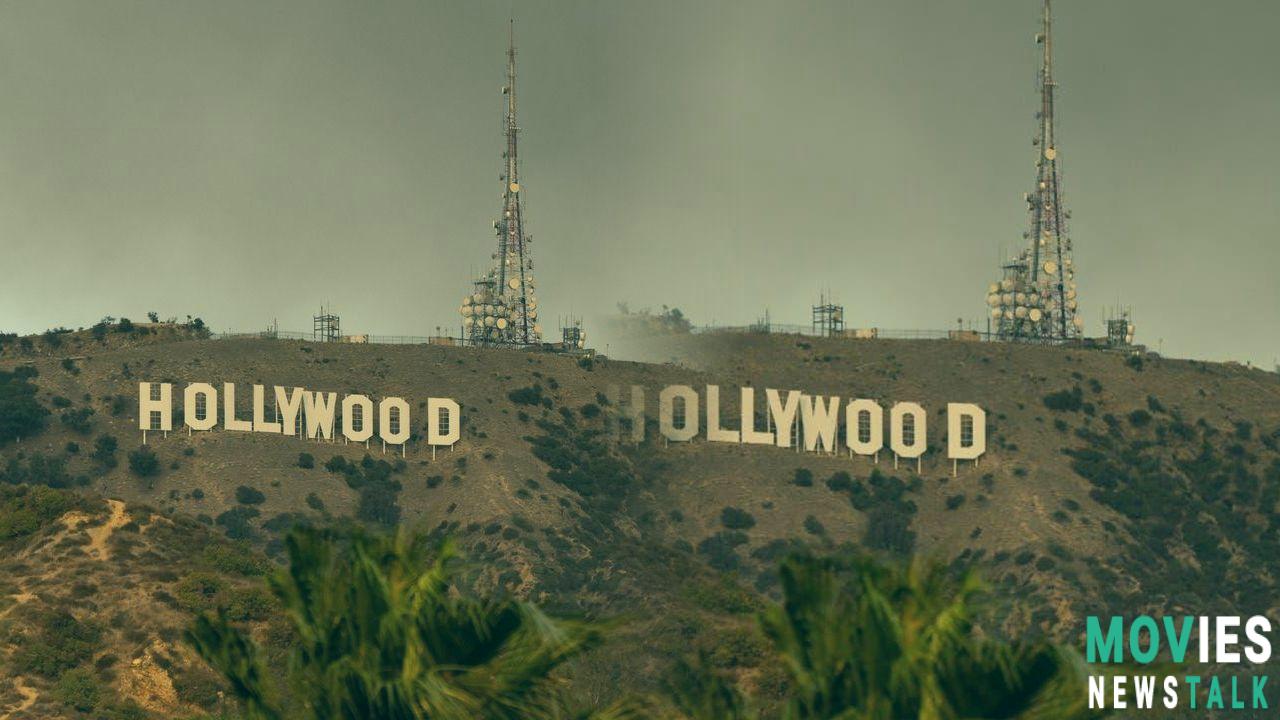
(1110, 483)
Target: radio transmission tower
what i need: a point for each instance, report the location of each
(1036, 296)
(502, 308)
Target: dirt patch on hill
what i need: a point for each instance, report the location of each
(29, 696)
(98, 534)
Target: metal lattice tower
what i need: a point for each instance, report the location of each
(1120, 327)
(325, 327)
(1036, 296)
(827, 318)
(502, 308)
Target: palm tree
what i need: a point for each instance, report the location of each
(864, 641)
(382, 633)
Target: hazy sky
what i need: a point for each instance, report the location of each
(245, 161)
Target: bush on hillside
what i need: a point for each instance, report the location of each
(143, 462)
(840, 482)
(78, 420)
(236, 521)
(78, 689)
(21, 414)
(1065, 400)
(39, 469)
(104, 451)
(54, 643)
(720, 549)
(531, 395)
(246, 495)
(736, 519)
(889, 513)
(25, 509)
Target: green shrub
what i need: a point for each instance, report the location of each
(56, 642)
(306, 461)
(736, 519)
(78, 420)
(721, 549)
(284, 522)
(249, 604)
(25, 509)
(584, 460)
(803, 477)
(890, 530)
(199, 591)
(246, 495)
(1065, 400)
(314, 502)
(889, 513)
(531, 395)
(236, 521)
(1244, 430)
(143, 462)
(379, 502)
(719, 595)
(234, 559)
(21, 414)
(78, 689)
(840, 482)
(38, 469)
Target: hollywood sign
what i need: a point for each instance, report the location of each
(814, 423)
(791, 418)
(298, 412)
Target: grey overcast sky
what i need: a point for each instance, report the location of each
(245, 161)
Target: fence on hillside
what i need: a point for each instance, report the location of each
(761, 329)
(357, 339)
(851, 333)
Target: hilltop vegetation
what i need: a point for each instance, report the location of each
(1107, 487)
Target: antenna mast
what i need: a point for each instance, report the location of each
(1036, 298)
(503, 310)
